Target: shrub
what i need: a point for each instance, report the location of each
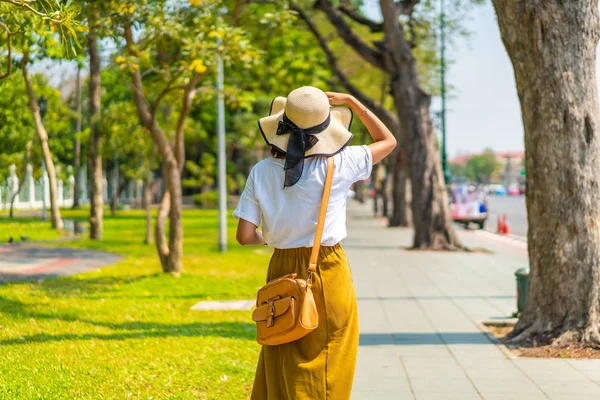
(208, 199)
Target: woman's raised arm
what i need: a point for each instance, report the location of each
(384, 141)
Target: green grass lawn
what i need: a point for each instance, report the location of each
(126, 331)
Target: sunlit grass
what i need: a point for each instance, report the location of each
(126, 331)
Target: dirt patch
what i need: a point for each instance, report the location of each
(541, 347)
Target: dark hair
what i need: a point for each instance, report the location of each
(277, 153)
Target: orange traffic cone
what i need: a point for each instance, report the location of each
(505, 223)
(500, 228)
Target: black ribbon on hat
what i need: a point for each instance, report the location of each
(301, 140)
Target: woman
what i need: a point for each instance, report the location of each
(283, 194)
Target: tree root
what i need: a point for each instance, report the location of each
(538, 334)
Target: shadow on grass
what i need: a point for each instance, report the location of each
(69, 287)
(123, 330)
(140, 330)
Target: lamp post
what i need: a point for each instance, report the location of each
(43, 104)
(443, 73)
(222, 177)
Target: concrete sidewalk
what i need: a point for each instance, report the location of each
(418, 320)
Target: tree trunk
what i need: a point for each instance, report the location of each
(359, 189)
(95, 152)
(384, 194)
(148, 207)
(552, 45)
(431, 217)
(57, 222)
(160, 238)
(77, 145)
(26, 158)
(400, 204)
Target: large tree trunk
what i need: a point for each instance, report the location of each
(95, 153)
(552, 45)
(77, 145)
(431, 217)
(57, 222)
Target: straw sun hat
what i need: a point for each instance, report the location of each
(304, 125)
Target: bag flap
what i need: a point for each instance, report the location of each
(281, 306)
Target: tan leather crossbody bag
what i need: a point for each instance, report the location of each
(285, 307)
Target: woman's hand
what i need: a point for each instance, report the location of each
(336, 99)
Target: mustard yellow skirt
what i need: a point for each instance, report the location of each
(320, 365)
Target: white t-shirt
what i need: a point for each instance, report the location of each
(289, 216)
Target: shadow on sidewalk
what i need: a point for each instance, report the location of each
(423, 338)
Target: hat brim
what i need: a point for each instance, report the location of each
(331, 140)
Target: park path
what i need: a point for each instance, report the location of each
(418, 321)
(20, 262)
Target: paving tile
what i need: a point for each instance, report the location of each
(442, 385)
(579, 396)
(446, 396)
(587, 365)
(381, 395)
(516, 396)
(569, 387)
(501, 385)
(508, 372)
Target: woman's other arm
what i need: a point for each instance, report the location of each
(248, 234)
(383, 140)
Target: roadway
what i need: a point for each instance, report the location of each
(515, 210)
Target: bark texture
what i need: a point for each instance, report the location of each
(552, 45)
(400, 204)
(148, 207)
(431, 217)
(57, 222)
(95, 152)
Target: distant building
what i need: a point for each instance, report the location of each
(511, 165)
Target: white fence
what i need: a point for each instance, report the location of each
(30, 195)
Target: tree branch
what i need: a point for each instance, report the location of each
(388, 118)
(351, 13)
(166, 90)
(370, 54)
(136, 79)
(188, 96)
(23, 4)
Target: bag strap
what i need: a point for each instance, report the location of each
(314, 255)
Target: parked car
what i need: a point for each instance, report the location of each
(469, 206)
(513, 190)
(497, 190)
